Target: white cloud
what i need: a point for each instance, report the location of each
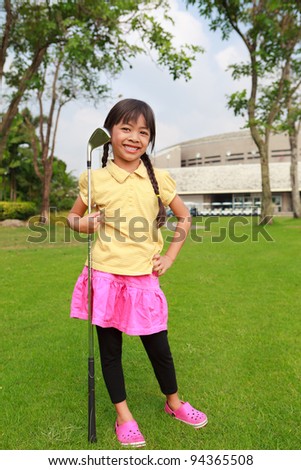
(228, 56)
(233, 54)
(186, 28)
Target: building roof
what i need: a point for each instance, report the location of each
(231, 178)
(230, 148)
(225, 137)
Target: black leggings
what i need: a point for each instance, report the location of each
(158, 351)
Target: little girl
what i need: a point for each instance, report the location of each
(130, 195)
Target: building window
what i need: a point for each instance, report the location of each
(277, 200)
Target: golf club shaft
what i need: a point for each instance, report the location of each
(99, 137)
(91, 401)
(91, 368)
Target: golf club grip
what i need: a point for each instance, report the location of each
(91, 401)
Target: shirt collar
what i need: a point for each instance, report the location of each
(120, 175)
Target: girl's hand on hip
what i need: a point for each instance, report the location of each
(90, 223)
(161, 263)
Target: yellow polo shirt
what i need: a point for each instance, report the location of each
(128, 240)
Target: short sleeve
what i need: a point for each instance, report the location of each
(167, 187)
(83, 187)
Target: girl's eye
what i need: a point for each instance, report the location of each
(125, 128)
(145, 133)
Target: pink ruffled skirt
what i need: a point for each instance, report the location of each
(133, 304)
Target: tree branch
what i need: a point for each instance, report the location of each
(13, 106)
(5, 38)
(41, 116)
(35, 149)
(235, 26)
(52, 108)
(55, 129)
(277, 101)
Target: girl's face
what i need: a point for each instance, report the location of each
(129, 142)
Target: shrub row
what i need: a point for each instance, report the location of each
(17, 210)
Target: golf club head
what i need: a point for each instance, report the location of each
(99, 137)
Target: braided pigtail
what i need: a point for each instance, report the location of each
(161, 216)
(105, 154)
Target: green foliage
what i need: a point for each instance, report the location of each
(93, 40)
(64, 187)
(271, 31)
(238, 102)
(17, 210)
(18, 178)
(73, 51)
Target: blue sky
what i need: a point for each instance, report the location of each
(183, 110)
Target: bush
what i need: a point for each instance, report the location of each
(17, 210)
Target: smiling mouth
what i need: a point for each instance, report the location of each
(130, 149)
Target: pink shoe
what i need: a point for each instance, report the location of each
(128, 434)
(188, 415)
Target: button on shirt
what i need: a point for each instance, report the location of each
(129, 237)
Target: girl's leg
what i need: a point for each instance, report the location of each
(158, 351)
(110, 347)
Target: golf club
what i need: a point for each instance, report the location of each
(99, 137)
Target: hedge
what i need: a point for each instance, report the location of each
(17, 210)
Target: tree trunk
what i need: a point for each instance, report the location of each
(44, 216)
(296, 204)
(5, 36)
(13, 185)
(267, 206)
(262, 144)
(12, 110)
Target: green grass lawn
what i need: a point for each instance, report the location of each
(234, 329)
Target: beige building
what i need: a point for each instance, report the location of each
(221, 174)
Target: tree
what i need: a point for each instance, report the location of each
(73, 49)
(270, 30)
(17, 160)
(95, 35)
(46, 124)
(294, 125)
(289, 110)
(19, 181)
(290, 121)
